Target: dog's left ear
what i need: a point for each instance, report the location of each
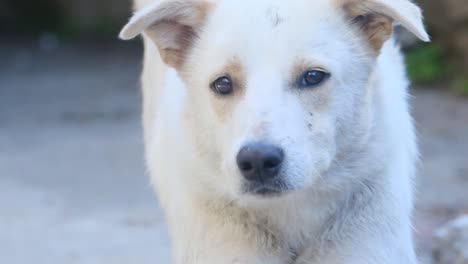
(172, 25)
(375, 18)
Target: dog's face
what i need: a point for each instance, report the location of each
(275, 89)
(269, 91)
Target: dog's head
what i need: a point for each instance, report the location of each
(275, 89)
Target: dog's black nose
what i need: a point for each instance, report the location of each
(260, 161)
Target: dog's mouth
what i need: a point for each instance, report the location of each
(273, 189)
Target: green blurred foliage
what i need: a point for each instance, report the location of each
(461, 86)
(426, 64)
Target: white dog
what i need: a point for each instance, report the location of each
(278, 131)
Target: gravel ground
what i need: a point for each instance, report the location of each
(73, 187)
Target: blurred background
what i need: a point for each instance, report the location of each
(73, 187)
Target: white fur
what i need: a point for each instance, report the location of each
(349, 173)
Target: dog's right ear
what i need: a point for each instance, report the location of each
(172, 25)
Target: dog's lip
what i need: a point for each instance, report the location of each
(265, 190)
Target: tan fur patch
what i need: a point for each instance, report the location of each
(298, 69)
(315, 99)
(172, 25)
(375, 18)
(172, 49)
(235, 70)
(377, 27)
(378, 30)
(184, 28)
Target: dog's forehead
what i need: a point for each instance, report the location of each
(272, 32)
(270, 14)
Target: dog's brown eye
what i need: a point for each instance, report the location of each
(223, 86)
(313, 78)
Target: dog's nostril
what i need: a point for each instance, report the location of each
(272, 163)
(260, 161)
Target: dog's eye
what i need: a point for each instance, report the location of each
(313, 78)
(223, 86)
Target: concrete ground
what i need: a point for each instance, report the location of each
(73, 187)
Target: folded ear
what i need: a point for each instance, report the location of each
(375, 18)
(172, 25)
